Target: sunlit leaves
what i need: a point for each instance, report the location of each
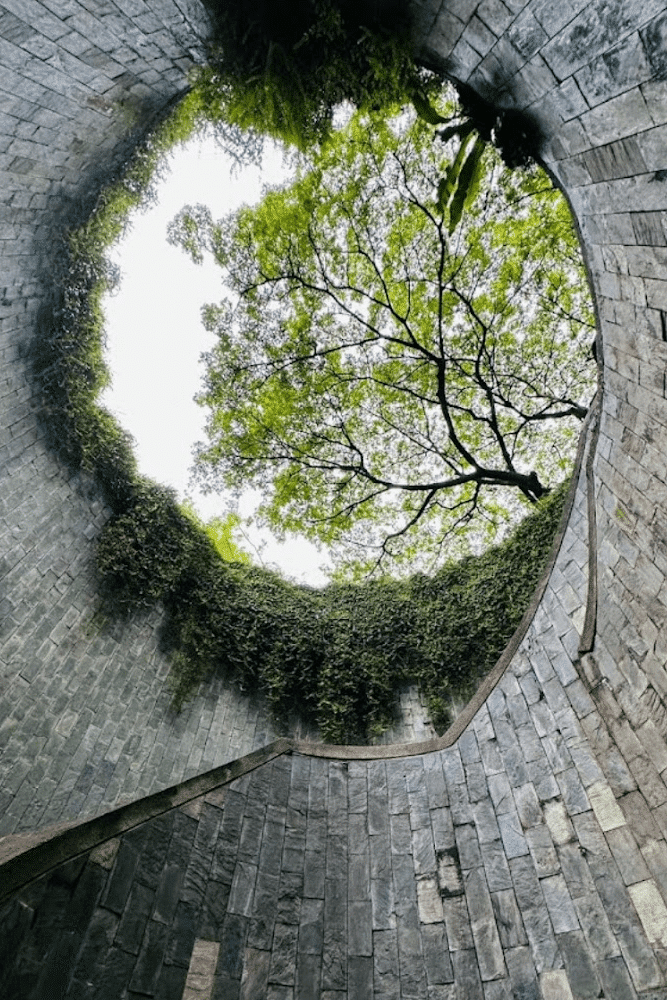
(403, 363)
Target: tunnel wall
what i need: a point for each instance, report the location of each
(84, 718)
(551, 804)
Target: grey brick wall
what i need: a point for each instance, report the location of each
(83, 716)
(592, 75)
(528, 858)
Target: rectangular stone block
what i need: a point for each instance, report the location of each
(595, 925)
(150, 959)
(290, 896)
(483, 926)
(242, 889)
(135, 917)
(555, 985)
(496, 866)
(514, 842)
(579, 964)
(443, 829)
(626, 853)
(629, 931)
(385, 963)
(334, 947)
(283, 955)
(254, 980)
(423, 851)
(607, 811)
(264, 910)
(457, 923)
(360, 979)
(360, 931)
(429, 901)
(358, 887)
(534, 914)
(122, 877)
(378, 803)
(401, 834)
(436, 955)
(466, 975)
(559, 904)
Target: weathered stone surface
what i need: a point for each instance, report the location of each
(334, 946)
(579, 964)
(96, 946)
(429, 901)
(496, 866)
(466, 974)
(168, 893)
(629, 933)
(183, 933)
(385, 963)
(522, 974)
(254, 981)
(150, 959)
(436, 955)
(483, 926)
(559, 904)
(135, 917)
(283, 956)
(457, 923)
(615, 979)
(508, 919)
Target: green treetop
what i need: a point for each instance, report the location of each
(395, 373)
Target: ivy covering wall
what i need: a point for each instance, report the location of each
(337, 656)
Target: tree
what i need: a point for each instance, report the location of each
(395, 374)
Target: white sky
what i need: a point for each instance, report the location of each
(155, 338)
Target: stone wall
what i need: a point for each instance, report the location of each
(528, 851)
(84, 717)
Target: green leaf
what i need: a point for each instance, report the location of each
(468, 184)
(448, 184)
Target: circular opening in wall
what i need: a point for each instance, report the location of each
(377, 281)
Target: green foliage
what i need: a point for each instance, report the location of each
(283, 68)
(220, 532)
(336, 656)
(403, 361)
(147, 552)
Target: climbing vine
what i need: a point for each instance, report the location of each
(337, 656)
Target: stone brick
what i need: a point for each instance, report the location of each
(483, 925)
(436, 955)
(135, 918)
(149, 961)
(625, 924)
(542, 850)
(466, 974)
(579, 964)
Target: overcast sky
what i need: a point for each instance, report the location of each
(155, 336)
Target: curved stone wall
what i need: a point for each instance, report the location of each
(527, 858)
(84, 717)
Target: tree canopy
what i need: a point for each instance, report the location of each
(402, 362)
